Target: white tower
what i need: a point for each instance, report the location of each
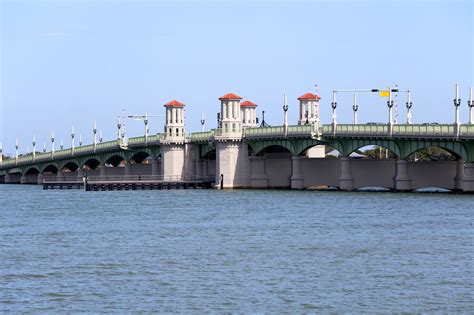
(309, 109)
(173, 147)
(174, 126)
(248, 113)
(231, 120)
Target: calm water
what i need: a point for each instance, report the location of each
(194, 251)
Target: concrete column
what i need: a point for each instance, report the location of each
(459, 178)
(39, 179)
(346, 181)
(23, 179)
(80, 173)
(468, 180)
(128, 169)
(102, 170)
(402, 178)
(198, 168)
(205, 166)
(258, 178)
(155, 170)
(297, 180)
(8, 179)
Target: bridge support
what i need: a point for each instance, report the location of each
(103, 170)
(459, 179)
(297, 181)
(39, 179)
(59, 176)
(468, 181)
(172, 161)
(155, 168)
(258, 177)
(128, 169)
(402, 178)
(8, 179)
(80, 173)
(346, 180)
(23, 179)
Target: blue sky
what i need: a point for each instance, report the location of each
(69, 63)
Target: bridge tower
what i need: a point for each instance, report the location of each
(231, 152)
(248, 113)
(173, 146)
(309, 109)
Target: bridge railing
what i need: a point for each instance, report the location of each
(202, 135)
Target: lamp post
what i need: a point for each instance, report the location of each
(285, 110)
(334, 106)
(145, 121)
(355, 107)
(470, 103)
(72, 140)
(16, 151)
(100, 136)
(94, 130)
(34, 147)
(52, 144)
(119, 127)
(202, 121)
(409, 106)
(44, 147)
(390, 106)
(457, 103)
(61, 145)
(80, 140)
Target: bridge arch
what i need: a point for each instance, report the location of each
(457, 149)
(50, 168)
(71, 165)
(140, 156)
(31, 171)
(351, 145)
(259, 147)
(114, 158)
(90, 163)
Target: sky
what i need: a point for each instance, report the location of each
(70, 63)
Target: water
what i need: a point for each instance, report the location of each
(195, 251)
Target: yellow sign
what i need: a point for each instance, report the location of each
(384, 93)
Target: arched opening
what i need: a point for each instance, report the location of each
(373, 152)
(69, 167)
(432, 154)
(140, 157)
(209, 155)
(115, 160)
(321, 151)
(32, 171)
(50, 170)
(91, 164)
(273, 149)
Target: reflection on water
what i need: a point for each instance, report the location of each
(246, 251)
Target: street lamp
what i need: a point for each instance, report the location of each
(457, 103)
(409, 106)
(72, 140)
(94, 130)
(334, 106)
(285, 110)
(470, 103)
(390, 106)
(34, 147)
(52, 144)
(355, 107)
(202, 121)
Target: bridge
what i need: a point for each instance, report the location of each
(239, 154)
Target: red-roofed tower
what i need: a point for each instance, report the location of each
(248, 113)
(309, 109)
(174, 126)
(230, 118)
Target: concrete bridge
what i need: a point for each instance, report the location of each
(239, 154)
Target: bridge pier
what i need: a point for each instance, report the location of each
(297, 181)
(128, 169)
(39, 179)
(402, 178)
(258, 177)
(346, 180)
(8, 179)
(155, 168)
(459, 179)
(468, 181)
(23, 179)
(102, 170)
